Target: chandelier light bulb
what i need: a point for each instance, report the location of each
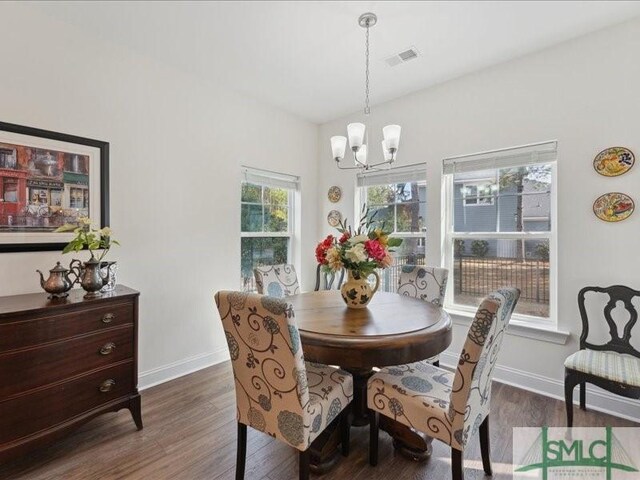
(391, 134)
(388, 156)
(355, 131)
(361, 155)
(338, 146)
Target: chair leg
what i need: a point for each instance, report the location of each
(569, 385)
(485, 446)
(457, 464)
(374, 426)
(583, 395)
(345, 428)
(242, 451)
(304, 460)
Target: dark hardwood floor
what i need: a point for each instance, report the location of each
(190, 433)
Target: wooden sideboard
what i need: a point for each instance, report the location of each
(63, 362)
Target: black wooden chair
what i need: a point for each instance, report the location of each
(615, 365)
(324, 280)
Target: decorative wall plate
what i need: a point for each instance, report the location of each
(613, 207)
(334, 194)
(334, 218)
(614, 161)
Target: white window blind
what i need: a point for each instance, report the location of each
(270, 179)
(407, 173)
(538, 153)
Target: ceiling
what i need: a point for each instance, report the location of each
(308, 57)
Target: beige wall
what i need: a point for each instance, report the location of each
(585, 95)
(176, 149)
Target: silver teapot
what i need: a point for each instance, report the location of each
(58, 283)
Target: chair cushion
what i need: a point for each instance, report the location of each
(416, 394)
(330, 391)
(612, 366)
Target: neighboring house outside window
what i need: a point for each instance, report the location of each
(266, 221)
(478, 193)
(398, 198)
(505, 236)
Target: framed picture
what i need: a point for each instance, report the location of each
(48, 179)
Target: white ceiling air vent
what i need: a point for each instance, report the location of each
(402, 57)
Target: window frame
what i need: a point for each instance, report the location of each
(449, 235)
(292, 193)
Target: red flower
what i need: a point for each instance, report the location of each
(345, 236)
(321, 249)
(375, 249)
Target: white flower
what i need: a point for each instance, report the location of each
(356, 253)
(358, 239)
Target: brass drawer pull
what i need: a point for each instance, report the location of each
(107, 385)
(108, 317)
(107, 348)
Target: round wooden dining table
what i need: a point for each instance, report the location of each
(393, 330)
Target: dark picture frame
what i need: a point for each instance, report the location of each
(95, 153)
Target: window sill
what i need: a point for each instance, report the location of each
(517, 327)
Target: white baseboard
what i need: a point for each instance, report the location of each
(177, 369)
(599, 400)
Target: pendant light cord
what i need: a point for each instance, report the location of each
(367, 110)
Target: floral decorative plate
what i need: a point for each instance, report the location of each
(614, 161)
(334, 218)
(334, 194)
(613, 207)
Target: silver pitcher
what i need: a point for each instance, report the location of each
(90, 276)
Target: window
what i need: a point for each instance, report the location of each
(398, 198)
(8, 158)
(10, 190)
(78, 197)
(507, 237)
(266, 221)
(478, 193)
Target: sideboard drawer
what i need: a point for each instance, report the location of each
(26, 369)
(26, 333)
(26, 415)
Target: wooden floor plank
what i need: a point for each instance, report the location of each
(190, 434)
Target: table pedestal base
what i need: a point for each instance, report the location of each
(359, 410)
(324, 449)
(408, 442)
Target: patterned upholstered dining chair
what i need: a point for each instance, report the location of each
(328, 281)
(615, 365)
(277, 280)
(277, 392)
(426, 283)
(451, 407)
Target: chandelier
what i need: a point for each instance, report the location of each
(357, 132)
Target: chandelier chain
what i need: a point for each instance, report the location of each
(367, 110)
